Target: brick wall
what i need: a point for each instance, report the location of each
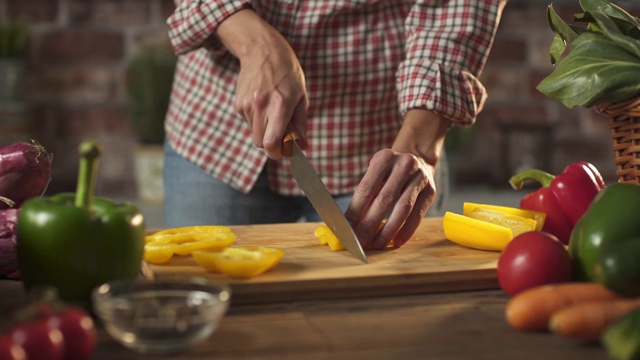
(79, 49)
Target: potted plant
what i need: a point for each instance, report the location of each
(149, 80)
(598, 65)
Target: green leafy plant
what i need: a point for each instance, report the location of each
(14, 39)
(595, 63)
(149, 79)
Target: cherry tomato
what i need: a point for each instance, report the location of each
(532, 259)
(9, 350)
(39, 340)
(78, 330)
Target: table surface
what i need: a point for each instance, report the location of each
(452, 325)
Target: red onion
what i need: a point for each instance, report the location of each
(8, 255)
(25, 172)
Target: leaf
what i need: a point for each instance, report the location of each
(610, 9)
(596, 70)
(560, 27)
(558, 47)
(611, 30)
(627, 23)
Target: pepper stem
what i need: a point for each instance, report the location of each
(87, 174)
(543, 177)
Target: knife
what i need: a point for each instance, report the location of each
(319, 196)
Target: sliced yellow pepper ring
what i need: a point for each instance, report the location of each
(240, 262)
(516, 223)
(475, 233)
(161, 246)
(187, 233)
(159, 253)
(539, 217)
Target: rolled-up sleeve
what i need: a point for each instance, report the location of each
(447, 45)
(193, 22)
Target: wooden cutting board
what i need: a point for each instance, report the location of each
(309, 271)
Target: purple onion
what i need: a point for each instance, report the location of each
(8, 252)
(25, 172)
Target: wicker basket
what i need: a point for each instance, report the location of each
(624, 122)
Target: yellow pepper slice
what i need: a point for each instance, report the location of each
(475, 233)
(158, 253)
(240, 262)
(326, 236)
(516, 223)
(161, 246)
(538, 216)
(187, 233)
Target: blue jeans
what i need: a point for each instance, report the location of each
(193, 197)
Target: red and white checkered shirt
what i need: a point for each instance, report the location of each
(366, 62)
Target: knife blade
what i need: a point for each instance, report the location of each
(319, 196)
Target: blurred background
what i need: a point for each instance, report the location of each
(100, 69)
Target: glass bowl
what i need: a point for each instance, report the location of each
(161, 316)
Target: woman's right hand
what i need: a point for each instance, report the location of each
(271, 91)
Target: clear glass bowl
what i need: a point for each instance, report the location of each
(161, 317)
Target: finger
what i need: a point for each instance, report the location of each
(379, 168)
(397, 197)
(280, 113)
(402, 209)
(299, 122)
(424, 201)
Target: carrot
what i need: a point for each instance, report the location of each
(588, 320)
(532, 308)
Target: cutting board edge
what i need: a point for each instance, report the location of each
(388, 285)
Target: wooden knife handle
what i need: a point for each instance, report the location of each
(287, 145)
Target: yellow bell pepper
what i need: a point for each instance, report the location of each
(161, 246)
(538, 216)
(490, 227)
(517, 224)
(326, 236)
(239, 262)
(475, 233)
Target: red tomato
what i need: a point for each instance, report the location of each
(39, 340)
(9, 350)
(78, 330)
(533, 259)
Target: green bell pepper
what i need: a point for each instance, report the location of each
(611, 218)
(75, 242)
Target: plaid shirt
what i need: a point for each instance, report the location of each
(366, 62)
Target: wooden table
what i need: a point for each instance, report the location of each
(451, 325)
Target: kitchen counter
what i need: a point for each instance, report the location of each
(449, 325)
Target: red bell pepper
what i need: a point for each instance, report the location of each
(564, 198)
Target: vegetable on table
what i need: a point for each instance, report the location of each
(8, 252)
(25, 172)
(532, 309)
(45, 328)
(588, 320)
(618, 267)
(602, 59)
(489, 227)
(533, 259)
(622, 337)
(612, 218)
(239, 262)
(75, 242)
(161, 246)
(326, 237)
(563, 198)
